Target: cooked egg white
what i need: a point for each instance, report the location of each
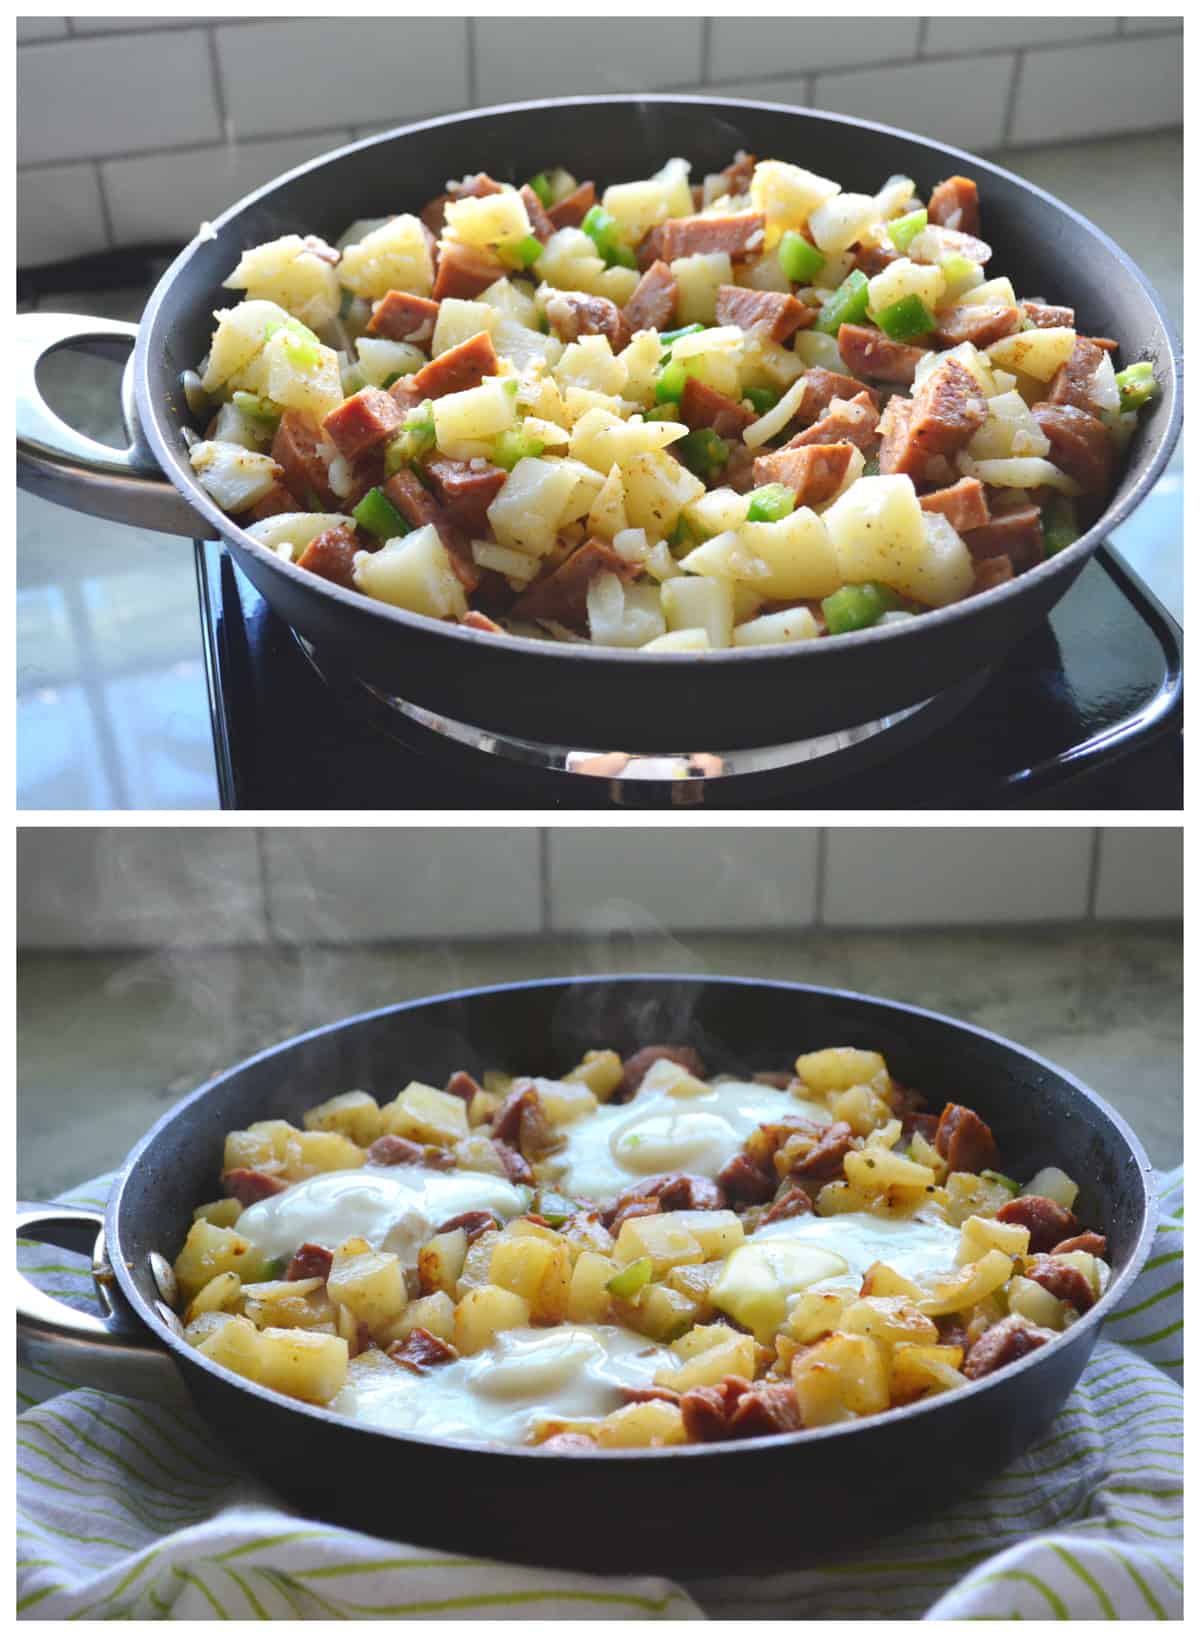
(675, 1129)
(571, 1372)
(396, 1208)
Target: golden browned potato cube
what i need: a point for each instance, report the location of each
(281, 1310)
(641, 1426)
(370, 1283)
(881, 1280)
(737, 1357)
(279, 1290)
(956, 1291)
(536, 1270)
(209, 1250)
(203, 1326)
(233, 1344)
(981, 1234)
(600, 1072)
(355, 1114)
(1035, 1303)
(877, 1170)
(816, 1313)
(660, 1313)
(478, 1153)
(433, 1313)
(919, 1370)
(863, 1110)
(583, 1232)
(672, 1078)
(888, 1319)
(221, 1292)
(222, 1213)
(259, 1148)
(310, 1153)
(718, 1233)
(588, 1301)
(703, 1336)
(837, 1068)
(483, 1313)
(971, 1195)
(440, 1262)
(696, 1281)
(840, 1377)
(477, 1266)
(302, 1363)
(483, 1105)
(424, 1114)
(661, 1238)
(564, 1102)
(923, 1151)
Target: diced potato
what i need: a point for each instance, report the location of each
(221, 1293)
(271, 1291)
(787, 196)
(425, 1114)
(208, 1251)
(602, 1072)
(918, 1371)
(672, 1079)
(466, 423)
(232, 426)
(413, 571)
(991, 293)
(483, 1313)
(295, 372)
(260, 1147)
(661, 1312)
(702, 1337)
(696, 1281)
(881, 1280)
(923, 1151)
(623, 616)
(954, 1292)
(788, 625)
(222, 1213)
(458, 321)
(1051, 1183)
(288, 533)
(792, 558)
(761, 1277)
(877, 1170)
(601, 439)
(903, 278)
(440, 1262)
(434, 1313)
(1040, 353)
(657, 488)
(971, 1195)
(233, 1344)
(885, 1136)
(489, 219)
(301, 1363)
(971, 360)
(524, 348)
(642, 1426)
(538, 1271)
(589, 1301)
(1035, 1303)
(662, 1238)
(285, 271)
(641, 359)
(370, 1283)
(608, 516)
(879, 532)
(564, 1101)
(393, 256)
(355, 1114)
(889, 1320)
(837, 1068)
(477, 1267)
(699, 278)
(817, 1313)
(639, 206)
(513, 298)
(204, 1325)
(1009, 430)
(862, 1108)
(717, 511)
(570, 261)
(840, 1377)
(1093, 1269)
(312, 1152)
(736, 1357)
(240, 335)
(477, 1153)
(718, 1233)
(980, 1234)
(842, 220)
(525, 515)
(235, 477)
(836, 1198)
(589, 362)
(694, 602)
(380, 359)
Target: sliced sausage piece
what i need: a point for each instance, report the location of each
(1003, 1344)
(746, 1182)
(791, 1202)
(873, 259)
(248, 1186)
(477, 621)
(1079, 445)
(652, 304)
(401, 317)
(540, 224)
(331, 555)
(473, 1223)
(1047, 1221)
(463, 270)
(704, 406)
(466, 489)
(521, 1122)
(516, 1167)
(954, 203)
(766, 1407)
(464, 1085)
(965, 1141)
(814, 473)
(980, 324)
(945, 412)
(562, 594)
(963, 505)
(739, 235)
(415, 503)
(297, 448)
(738, 175)
(1063, 1280)
(647, 1395)
(421, 1351)
(310, 1262)
(569, 212)
(277, 500)
(707, 1411)
(458, 368)
(568, 1443)
(877, 356)
(391, 1150)
(768, 313)
(1072, 383)
(1094, 1243)
(823, 1162)
(821, 387)
(650, 249)
(478, 186)
(991, 572)
(571, 314)
(673, 1191)
(362, 422)
(847, 420)
(1015, 534)
(637, 1067)
(1044, 317)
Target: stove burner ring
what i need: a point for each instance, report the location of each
(681, 775)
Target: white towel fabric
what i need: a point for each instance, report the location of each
(131, 1511)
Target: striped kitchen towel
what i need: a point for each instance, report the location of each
(127, 1510)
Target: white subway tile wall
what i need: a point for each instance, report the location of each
(89, 889)
(137, 128)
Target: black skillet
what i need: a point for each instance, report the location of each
(563, 693)
(759, 1503)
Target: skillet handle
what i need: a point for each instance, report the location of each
(111, 1351)
(60, 464)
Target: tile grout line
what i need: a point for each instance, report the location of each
(260, 845)
(106, 215)
(819, 896)
(218, 86)
(1093, 882)
(922, 35)
(544, 876)
(1010, 101)
(705, 50)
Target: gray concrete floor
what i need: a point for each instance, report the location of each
(108, 1042)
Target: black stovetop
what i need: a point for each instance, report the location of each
(1085, 713)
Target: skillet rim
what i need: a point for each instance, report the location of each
(1094, 1318)
(177, 471)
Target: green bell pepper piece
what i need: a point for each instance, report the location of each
(514, 444)
(670, 336)
(906, 319)
(525, 252)
(663, 412)
(761, 399)
(378, 516)
(1136, 385)
(904, 229)
(703, 452)
(799, 261)
(855, 607)
(540, 184)
(770, 503)
(1005, 1182)
(631, 1279)
(672, 378)
(1059, 526)
(415, 438)
(257, 409)
(554, 1207)
(847, 304)
(602, 229)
